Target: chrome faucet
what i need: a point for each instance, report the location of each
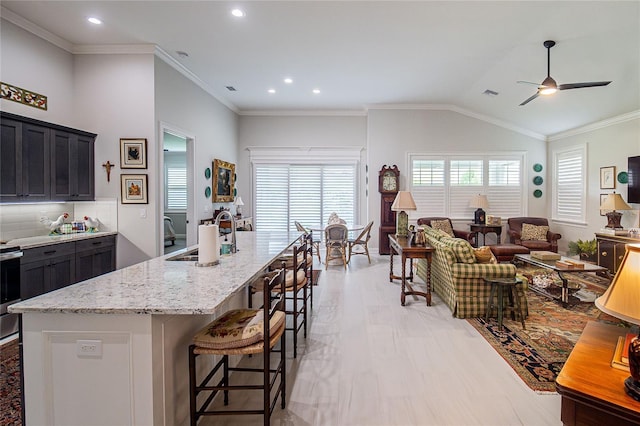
(233, 228)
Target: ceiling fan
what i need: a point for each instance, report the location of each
(549, 85)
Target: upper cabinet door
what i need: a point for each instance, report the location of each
(72, 177)
(24, 162)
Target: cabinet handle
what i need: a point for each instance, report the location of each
(97, 243)
(603, 254)
(49, 252)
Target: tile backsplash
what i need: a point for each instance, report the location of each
(23, 220)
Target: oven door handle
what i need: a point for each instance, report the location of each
(10, 255)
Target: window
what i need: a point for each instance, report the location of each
(307, 193)
(175, 177)
(570, 185)
(443, 185)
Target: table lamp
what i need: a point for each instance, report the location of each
(614, 202)
(238, 203)
(622, 300)
(479, 202)
(404, 201)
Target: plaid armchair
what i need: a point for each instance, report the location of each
(458, 279)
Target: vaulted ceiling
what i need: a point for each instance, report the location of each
(362, 54)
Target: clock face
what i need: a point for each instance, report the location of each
(389, 182)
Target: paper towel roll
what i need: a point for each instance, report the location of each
(208, 248)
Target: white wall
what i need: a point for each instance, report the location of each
(114, 98)
(183, 105)
(299, 131)
(394, 133)
(606, 146)
(31, 63)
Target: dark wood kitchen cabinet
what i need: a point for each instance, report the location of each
(41, 161)
(24, 162)
(47, 268)
(95, 256)
(72, 167)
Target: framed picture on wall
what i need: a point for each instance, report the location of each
(133, 189)
(223, 181)
(608, 177)
(133, 153)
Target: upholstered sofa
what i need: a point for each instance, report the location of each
(457, 277)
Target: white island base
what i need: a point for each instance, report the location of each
(113, 350)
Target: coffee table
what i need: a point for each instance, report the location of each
(551, 265)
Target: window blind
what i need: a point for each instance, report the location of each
(570, 184)
(175, 178)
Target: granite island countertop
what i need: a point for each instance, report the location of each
(45, 240)
(161, 286)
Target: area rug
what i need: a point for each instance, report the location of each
(10, 384)
(538, 353)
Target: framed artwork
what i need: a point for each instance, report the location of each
(133, 153)
(608, 177)
(602, 198)
(223, 181)
(133, 189)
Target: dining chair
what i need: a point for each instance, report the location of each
(336, 237)
(242, 332)
(360, 244)
(314, 242)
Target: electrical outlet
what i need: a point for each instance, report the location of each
(89, 348)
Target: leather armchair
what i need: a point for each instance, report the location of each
(465, 235)
(515, 231)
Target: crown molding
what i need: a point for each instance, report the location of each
(633, 115)
(35, 29)
(306, 113)
(463, 111)
(113, 49)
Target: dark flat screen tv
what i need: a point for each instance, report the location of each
(633, 170)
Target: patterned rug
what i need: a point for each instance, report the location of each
(10, 384)
(538, 353)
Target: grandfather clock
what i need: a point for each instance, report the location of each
(388, 186)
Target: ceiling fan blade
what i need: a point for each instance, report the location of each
(528, 82)
(581, 85)
(530, 99)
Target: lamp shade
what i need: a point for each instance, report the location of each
(614, 202)
(238, 201)
(622, 298)
(403, 201)
(479, 202)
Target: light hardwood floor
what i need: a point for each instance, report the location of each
(368, 360)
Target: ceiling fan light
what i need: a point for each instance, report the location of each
(548, 90)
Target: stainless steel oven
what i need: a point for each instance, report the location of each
(9, 288)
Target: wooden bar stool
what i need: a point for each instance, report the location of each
(499, 285)
(242, 332)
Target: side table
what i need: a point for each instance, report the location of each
(401, 246)
(592, 390)
(484, 230)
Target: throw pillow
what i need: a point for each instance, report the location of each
(534, 232)
(443, 225)
(484, 255)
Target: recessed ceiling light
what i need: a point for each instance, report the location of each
(271, 91)
(288, 80)
(316, 91)
(94, 20)
(238, 13)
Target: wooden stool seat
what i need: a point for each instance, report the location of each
(499, 285)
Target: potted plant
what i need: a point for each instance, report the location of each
(585, 249)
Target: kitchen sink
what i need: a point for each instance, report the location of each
(189, 256)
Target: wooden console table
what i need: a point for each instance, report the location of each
(401, 246)
(484, 230)
(611, 249)
(592, 391)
